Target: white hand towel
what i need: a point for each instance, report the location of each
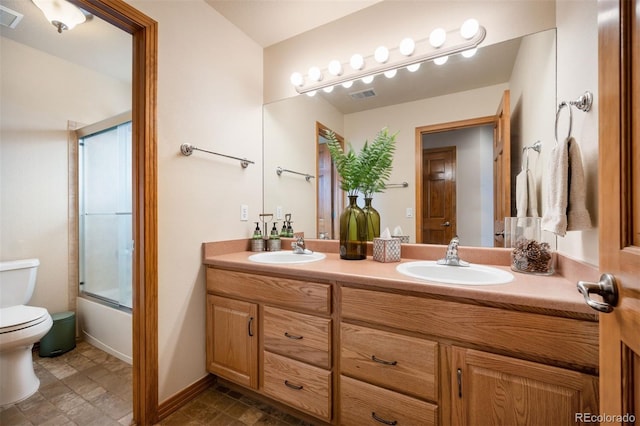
(532, 196)
(578, 218)
(555, 217)
(521, 194)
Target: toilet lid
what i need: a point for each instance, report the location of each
(21, 316)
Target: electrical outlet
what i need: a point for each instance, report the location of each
(244, 212)
(409, 212)
(279, 213)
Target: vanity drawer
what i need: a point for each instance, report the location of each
(365, 404)
(391, 360)
(300, 385)
(298, 294)
(300, 336)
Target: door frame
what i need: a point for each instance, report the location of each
(144, 31)
(337, 193)
(434, 128)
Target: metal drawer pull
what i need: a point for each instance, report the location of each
(383, 421)
(292, 336)
(459, 383)
(606, 288)
(292, 386)
(382, 361)
(249, 327)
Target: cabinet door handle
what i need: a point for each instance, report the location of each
(382, 361)
(250, 330)
(459, 383)
(383, 421)
(292, 386)
(292, 336)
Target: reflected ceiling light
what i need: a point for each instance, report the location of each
(469, 28)
(356, 62)
(381, 54)
(311, 93)
(335, 67)
(62, 14)
(437, 37)
(314, 74)
(367, 79)
(441, 60)
(407, 46)
(390, 73)
(328, 89)
(469, 53)
(409, 54)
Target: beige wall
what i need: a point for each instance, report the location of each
(36, 108)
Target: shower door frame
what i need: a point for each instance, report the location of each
(144, 31)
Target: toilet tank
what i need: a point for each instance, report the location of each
(17, 281)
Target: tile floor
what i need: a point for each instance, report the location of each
(87, 387)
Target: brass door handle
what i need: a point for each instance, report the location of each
(606, 288)
(447, 223)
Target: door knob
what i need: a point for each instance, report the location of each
(447, 223)
(606, 288)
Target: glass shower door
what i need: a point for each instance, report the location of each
(106, 236)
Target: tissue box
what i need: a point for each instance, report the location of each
(386, 250)
(403, 238)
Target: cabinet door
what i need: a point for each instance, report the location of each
(491, 389)
(232, 340)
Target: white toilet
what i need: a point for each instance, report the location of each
(20, 327)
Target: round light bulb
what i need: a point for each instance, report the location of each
(390, 73)
(335, 67)
(407, 46)
(311, 93)
(441, 60)
(296, 79)
(469, 28)
(413, 67)
(469, 53)
(328, 89)
(367, 79)
(381, 54)
(347, 84)
(437, 37)
(314, 74)
(356, 62)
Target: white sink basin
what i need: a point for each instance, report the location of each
(467, 275)
(286, 257)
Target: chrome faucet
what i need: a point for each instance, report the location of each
(299, 246)
(452, 258)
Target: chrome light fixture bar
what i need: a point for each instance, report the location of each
(455, 43)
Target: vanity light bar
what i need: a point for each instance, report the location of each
(454, 44)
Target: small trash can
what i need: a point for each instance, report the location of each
(62, 336)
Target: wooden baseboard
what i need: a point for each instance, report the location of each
(184, 396)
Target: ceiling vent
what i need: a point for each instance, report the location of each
(9, 18)
(363, 94)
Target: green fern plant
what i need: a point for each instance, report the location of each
(368, 170)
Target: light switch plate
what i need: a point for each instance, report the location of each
(279, 213)
(409, 212)
(244, 212)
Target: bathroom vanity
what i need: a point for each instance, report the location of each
(356, 342)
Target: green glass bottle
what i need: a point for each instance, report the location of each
(353, 232)
(373, 220)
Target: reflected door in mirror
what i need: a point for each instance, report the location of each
(439, 195)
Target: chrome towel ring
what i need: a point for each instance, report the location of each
(583, 103)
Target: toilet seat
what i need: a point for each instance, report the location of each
(19, 317)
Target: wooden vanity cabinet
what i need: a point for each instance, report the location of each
(274, 335)
(482, 364)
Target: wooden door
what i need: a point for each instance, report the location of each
(489, 389)
(619, 204)
(439, 195)
(232, 340)
(501, 169)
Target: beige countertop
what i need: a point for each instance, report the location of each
(556, 294)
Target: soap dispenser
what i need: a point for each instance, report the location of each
(274, 243)
(257, 243)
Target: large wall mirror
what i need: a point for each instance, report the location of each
(423, 107)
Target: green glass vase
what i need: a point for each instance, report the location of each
(353, 232)
(373, 220)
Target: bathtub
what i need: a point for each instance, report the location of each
(106, 328)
